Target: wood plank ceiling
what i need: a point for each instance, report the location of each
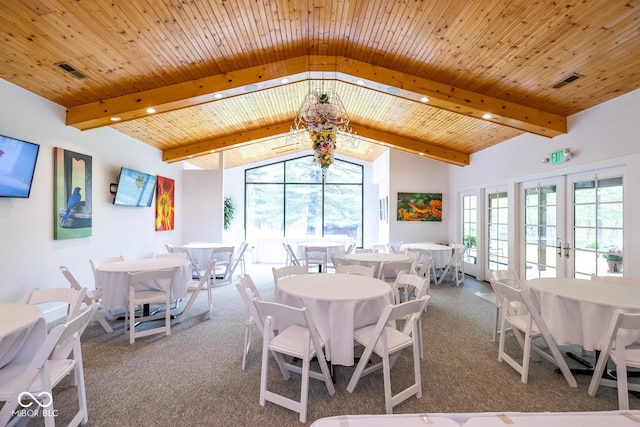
(213, 69)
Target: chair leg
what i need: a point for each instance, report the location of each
(103, 322)
(247, 344)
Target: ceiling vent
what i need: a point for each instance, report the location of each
(71, 70)
(569, 79)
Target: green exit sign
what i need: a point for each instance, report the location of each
(557, 157)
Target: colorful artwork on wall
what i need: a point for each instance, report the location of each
(419, 207)
(165, 209)
(72, 194)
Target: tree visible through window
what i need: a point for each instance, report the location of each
(289, 199)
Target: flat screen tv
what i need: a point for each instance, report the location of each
(134, 188)
(17, 166)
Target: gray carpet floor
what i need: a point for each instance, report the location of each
(194, 376)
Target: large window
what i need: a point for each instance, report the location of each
(289, 199)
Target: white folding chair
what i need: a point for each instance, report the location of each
(456, 264)
(224, 261)
(286, 271)
(386, 341)
(510, 278)
(73, 298)
(624, 327)
(206, 282)
(411, 285)
(248, 291)
(291, 255)
(358, 269)
(89, 298)
(96, 294)
(145, 288)
(316, 255)
(59, 355)
(531, 326)
(300, 340)
(391, 269)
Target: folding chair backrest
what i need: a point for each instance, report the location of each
(412, 309)
(159, 280)
(284, 314)
(289, 270)
(248, 296)
(70, 296)
(391, 269)
(509, 277)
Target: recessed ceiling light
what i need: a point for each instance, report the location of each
(189, 157)
(115, 119)
(422, 154)
(393, 90)
(285, 80)
(250, 88)
(487, 116)
(360, 82)
(424, 99)
(151, 110)
(212, 151)
(217, 96)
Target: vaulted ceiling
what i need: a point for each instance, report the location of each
(214, 70)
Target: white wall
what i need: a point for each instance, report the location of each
(203, 208)
(410, 173)
(29, 256)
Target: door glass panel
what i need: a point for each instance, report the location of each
(541, 231)
(598, 227)
(470, 228)
(498, 232)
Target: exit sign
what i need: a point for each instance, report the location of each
(557, 157)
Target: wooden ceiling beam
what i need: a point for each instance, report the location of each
(187, 94)
(252, 136)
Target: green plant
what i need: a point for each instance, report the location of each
(470, 241)
(613, 254)
(229, 210)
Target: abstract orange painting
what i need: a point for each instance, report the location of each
(165, 189)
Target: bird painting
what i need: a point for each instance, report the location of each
(73, 201)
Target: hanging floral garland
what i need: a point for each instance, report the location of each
(322, 120)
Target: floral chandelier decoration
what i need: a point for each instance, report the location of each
(322, 115)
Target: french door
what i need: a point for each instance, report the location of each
(572, 226)
(543, 230)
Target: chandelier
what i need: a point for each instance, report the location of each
(322, 116)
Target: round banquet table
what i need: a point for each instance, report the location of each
(339, 304)
(579, 311)
(374, 259)
(441, 253)
(22, 332)
(113, 278)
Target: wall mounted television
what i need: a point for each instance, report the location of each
(17, 166)
(134, 188)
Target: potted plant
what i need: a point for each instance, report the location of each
(229, 210)
(613, 256)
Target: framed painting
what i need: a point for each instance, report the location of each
(419, 207)
(165, 208)
(72, 194)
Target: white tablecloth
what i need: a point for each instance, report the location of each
(338, 303)
(441, 253)
(580, 311)
(202, 252)
(113, 278)
(486, 419)
(22, 332)
(374, 259)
